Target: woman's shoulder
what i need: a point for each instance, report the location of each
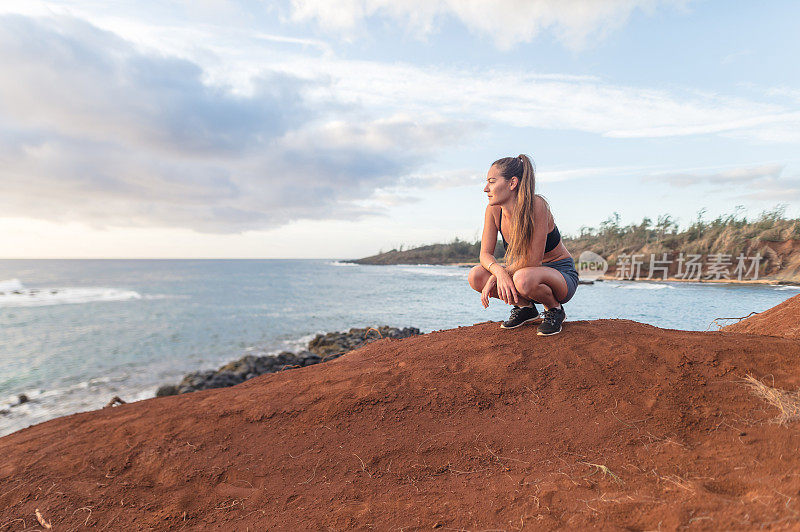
(494, 212)
(541, 203)
(493, 209)
(542, 207)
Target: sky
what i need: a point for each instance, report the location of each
(324, 129)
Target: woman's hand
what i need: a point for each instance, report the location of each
(506, 289)
(487, 289)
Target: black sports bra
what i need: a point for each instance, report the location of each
(553, 237)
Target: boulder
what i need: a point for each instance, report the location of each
(322, 348)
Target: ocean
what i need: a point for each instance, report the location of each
(75, 333)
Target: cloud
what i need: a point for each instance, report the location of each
(506, 22)
(381, 200)
(76, 76)
(238, 60)
(736, 56)
(784, 91)
(322, 46)
(465, 177)
(98, 129)
(444, 179)
(399, 193)
(774, 189)
(95, 130)
(756, 183)
(734, 176)
(547, 101)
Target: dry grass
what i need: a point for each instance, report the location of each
(42, 521)
(716, 322)
(605, 470)
(788, 403)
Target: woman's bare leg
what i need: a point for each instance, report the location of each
(541, 283)
(478, 277)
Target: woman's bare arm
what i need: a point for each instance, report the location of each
(488, 241)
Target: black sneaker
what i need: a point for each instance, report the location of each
(552, 319)
(520, 316)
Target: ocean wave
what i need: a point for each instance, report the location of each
(43, 405)
(426, 269)
(639, 286)
(292, 344)
(35, 395)
(338, 263)
(10, 285)
(786, 287)
(14, 294)
(298, 344)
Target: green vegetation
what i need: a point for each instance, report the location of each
(728, 234)
(455, 252)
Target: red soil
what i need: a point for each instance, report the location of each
(781, 320)
(612, 424)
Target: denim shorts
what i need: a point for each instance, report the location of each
(567, 268)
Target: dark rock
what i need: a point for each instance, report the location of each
(335, 343)
(195, 381)
(322, 348)
(223, 379)
(167, 389)
(265, 364)
(307, 358)
(243, 366)
(22, 398)
(286, 358)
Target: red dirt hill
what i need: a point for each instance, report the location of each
(611, 424)
(781, 320)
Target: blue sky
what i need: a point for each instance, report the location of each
(312, 128)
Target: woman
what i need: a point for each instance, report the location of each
(538, 269)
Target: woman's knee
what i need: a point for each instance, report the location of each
(525, 282)
(477, 277)
(544, 291)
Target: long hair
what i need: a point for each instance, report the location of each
(522, 223)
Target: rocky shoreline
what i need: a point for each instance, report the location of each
(322, 348)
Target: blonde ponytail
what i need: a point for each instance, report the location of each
(522, 223)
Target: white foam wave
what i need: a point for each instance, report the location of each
(640, 286)
(428, 270)
(39, 297)
(787, 287)
(337, 263)
(299, 344)
(149, 297)
(37, 394)
(294, 344)
(44, 405)
(11, 285)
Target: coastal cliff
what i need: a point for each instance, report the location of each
(771, 237)
(455, 252)
(611, 424)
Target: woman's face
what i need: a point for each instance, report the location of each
(499, 189)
